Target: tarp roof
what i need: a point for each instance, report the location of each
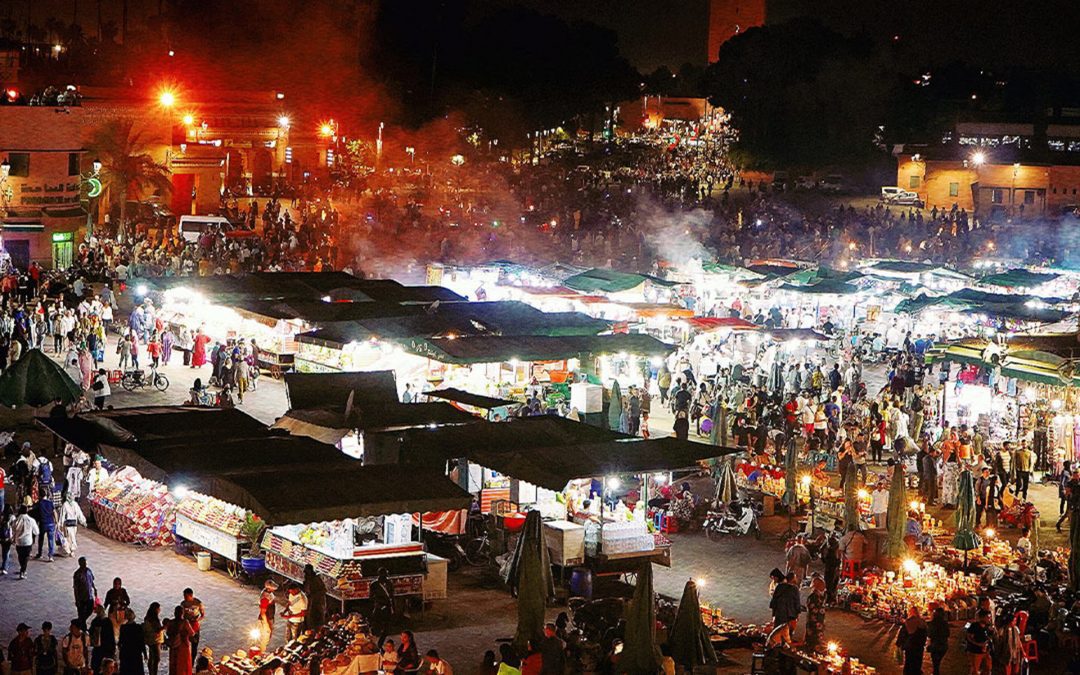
(305, 285)
(282, 478)
(468, 398)
(785, 334)
(1001, 305)
(822, 287)
(321, 390)
(500, 348)
(550, 451)
(913, 267)
(601, 280)
(709, 323)
(1018, 278)
(508, 317)
(37, 380)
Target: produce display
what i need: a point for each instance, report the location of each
(887, 597)
(130, 508)
(212, 512)
(342, 646)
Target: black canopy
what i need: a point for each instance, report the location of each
(468, 398)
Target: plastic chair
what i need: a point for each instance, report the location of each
(851, 569)
(1022, 621)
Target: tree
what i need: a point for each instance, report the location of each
(127, 168)
(801, 94)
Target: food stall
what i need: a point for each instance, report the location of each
(211, 523)
(345, 646)
(888, 596)
(133, 509)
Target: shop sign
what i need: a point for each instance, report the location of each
(63, 236)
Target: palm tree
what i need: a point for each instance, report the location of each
(127, 168)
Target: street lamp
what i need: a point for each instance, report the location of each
(167, 99)
(97, 166)
(979, 158)
(284, 121)
(188, 120)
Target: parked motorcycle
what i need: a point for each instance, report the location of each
(739, 518)
(445, 546)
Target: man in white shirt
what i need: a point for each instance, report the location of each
(879, 505)
(24, 533)
(295, 613)
(436, 665)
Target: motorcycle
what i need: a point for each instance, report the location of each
(737, 519)
(446, 546)
(136, 379)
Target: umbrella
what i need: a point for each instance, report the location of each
(717, 434)
(966, 539)
(614, 413)
(688, 638)
(791, 498)
(1074, 552)
(851, 499)
(37, 380)
(529, 577)
(897, 516)
(726, 489)
(1036, 525)
(640, 652)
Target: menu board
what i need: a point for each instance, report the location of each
(222, 543)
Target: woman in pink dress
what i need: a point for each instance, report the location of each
(178, 634)
(198, 352)
(86, 363)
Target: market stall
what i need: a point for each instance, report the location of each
(133, 509)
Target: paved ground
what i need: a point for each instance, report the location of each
(477, 613)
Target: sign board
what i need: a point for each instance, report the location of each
(222, 543)
(63, 236)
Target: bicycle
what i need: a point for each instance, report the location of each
(134, 379)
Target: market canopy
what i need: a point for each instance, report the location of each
(503, 348)
(229, 455)
(304, 285)
(553, 468)
(37, 380)
(822, 287)
(788, 334)
(320, 390)
(907, 268)
(468, 398)
(711, 323)
(600, 280)
(1018, 278)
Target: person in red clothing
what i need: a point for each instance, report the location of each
(21, 651)
(153, 350)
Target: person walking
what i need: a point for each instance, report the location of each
(196, 614)
(912, 641)
(980, 643)
(85, 591)
(938, 633)
(75, 649)
(815, 613)
(315, 590)
(179, 634)
(45, 514)
(7, 535)
(71, 517)
(21, 652)
(116, 598)
(1023, 465)
(101, 389)
(267, 609)
(798, 559)
(24, 532)
(382, 597)
(131, 647)
(243, 378)
(154, 637)
(46, 652)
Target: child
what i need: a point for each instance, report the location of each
(389, 658)
(1023, 544)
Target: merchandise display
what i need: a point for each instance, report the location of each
(133, 509)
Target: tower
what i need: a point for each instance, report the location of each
(728, 18)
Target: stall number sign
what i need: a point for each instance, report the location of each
(215, 540)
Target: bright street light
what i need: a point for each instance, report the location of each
(326, 129)
(188, 120)
(167, 99)
(979, 158)
(283, 121)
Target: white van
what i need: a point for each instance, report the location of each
(192, 227)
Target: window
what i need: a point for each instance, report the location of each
(913, 181)
(1029, 197)
(997, 196)
(20, 164)
(954, 189)
(73, 164)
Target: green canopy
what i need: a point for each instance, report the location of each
(966, 539)
(897, 516)
(37, 380)
(791, 498)
(689, 638)
(1017, 278)
(529, 577)
(614, 413)
(851, 499)
(718, 417)
(641, 654)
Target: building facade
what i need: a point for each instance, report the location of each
(997, 170)
(42, 182)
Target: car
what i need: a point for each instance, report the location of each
(907, 198)
(834, 183)
(805, 183)
(889, 193)
(779, 181)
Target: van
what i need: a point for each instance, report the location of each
(192, 227)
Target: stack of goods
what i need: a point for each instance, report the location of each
(626, 537)
(764, 477)
(837, 660)
(212, 512)
(344, 646)
(733, 633)
(130, 508)
(888, 597)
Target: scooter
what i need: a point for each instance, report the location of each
(738, 519)
(447, 546)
